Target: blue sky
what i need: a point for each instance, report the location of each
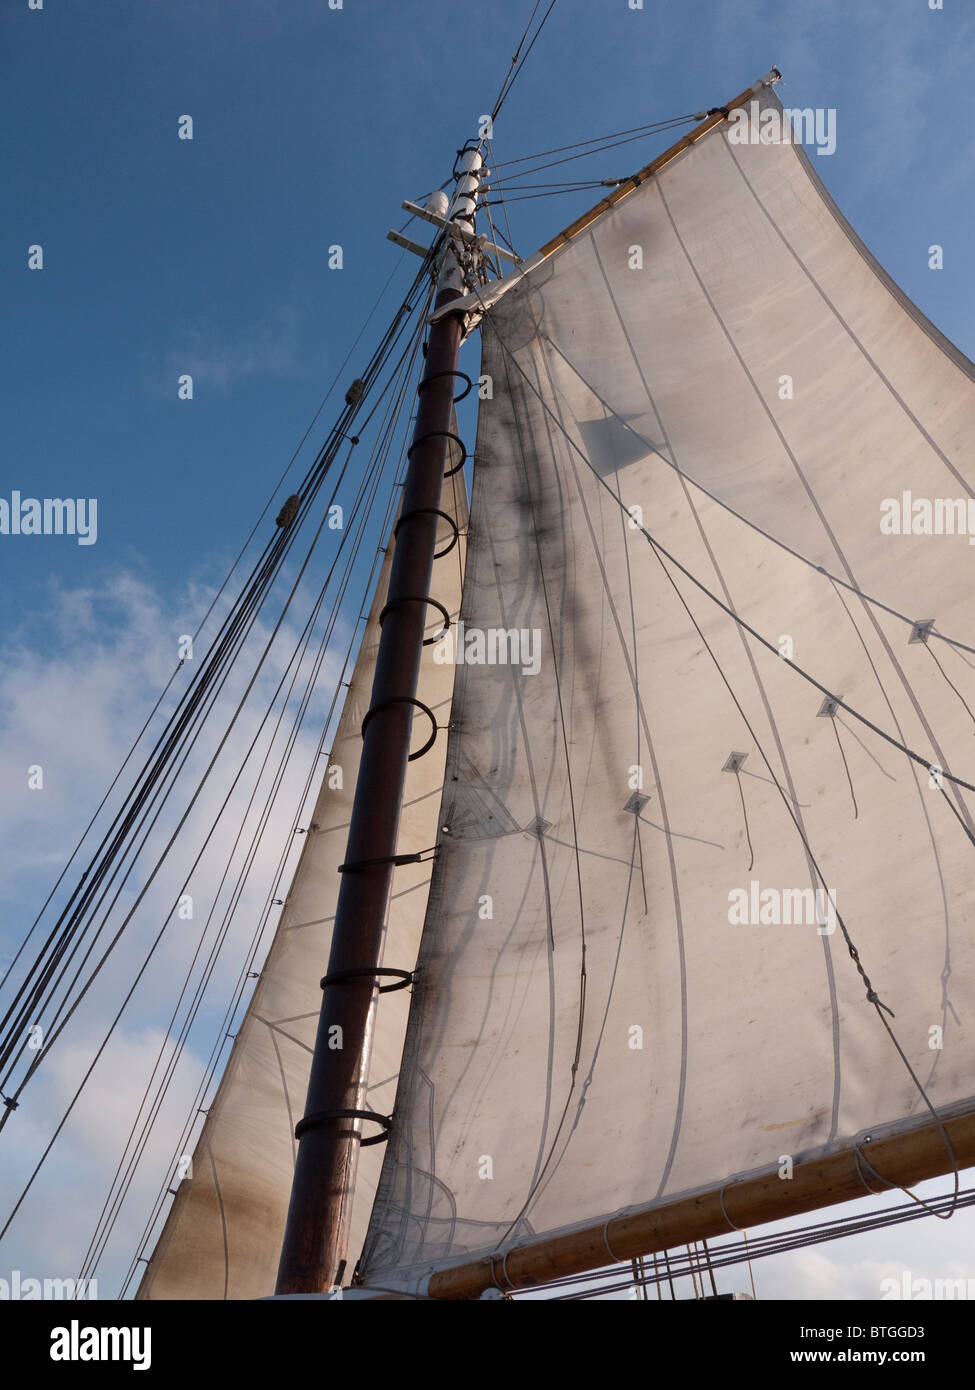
(164, 256)
(311, 126)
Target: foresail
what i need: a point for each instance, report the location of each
(223, 1236)
(633, 983)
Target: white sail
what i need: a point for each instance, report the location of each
(625, 992)
(223, 1236)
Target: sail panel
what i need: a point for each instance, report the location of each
(222, 1238)
(633, 982)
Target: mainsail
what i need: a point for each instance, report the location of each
(664, 843)
(222, 1238)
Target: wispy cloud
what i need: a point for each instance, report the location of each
(220, 359)
(76, 683)
(914, 53)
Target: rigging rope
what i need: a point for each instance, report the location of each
(846, 765)
(653, 128)
(373, 479)
(202, 623)
(37, 991)
(894, 742)
(744, 815)
(278, 539)
(967, 706)
(660, 128)
(517, 66)
(659, 551)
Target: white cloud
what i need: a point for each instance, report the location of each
(76, 683)
(216, 358)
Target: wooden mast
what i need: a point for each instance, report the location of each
(329, 1136)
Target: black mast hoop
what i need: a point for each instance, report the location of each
(445, 434)
(404, 978)
(406, 700)
(431, 511)
(321, 1117)
(420, 598)
(436, 375)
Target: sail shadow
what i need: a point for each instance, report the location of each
(612, 445)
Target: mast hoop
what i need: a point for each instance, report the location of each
(435, 376)
(321, 1117)
(446, 434)
(431, 511)
(420, 598)
(406, 700)
(404, 978)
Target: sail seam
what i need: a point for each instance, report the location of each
(928, 439)
(725, 506)
(658, 782)
(578, 866)
(924, 762)
(780, 434)
(759, 683)
(879, 1007)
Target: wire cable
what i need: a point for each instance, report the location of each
(737, 1252)
(372, 479)
(796, 555)
(513, 70)
(200, 626)
(881, 733)
(871, 994)
(653, 128)
(29, 1000)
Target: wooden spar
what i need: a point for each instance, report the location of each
(329, 1135)
(491, 293)
(901, 1160)
(655, 165)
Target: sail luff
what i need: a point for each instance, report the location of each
(900, 1161)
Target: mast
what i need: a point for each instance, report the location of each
(329, 1136)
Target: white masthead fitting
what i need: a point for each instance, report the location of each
(438, 203)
